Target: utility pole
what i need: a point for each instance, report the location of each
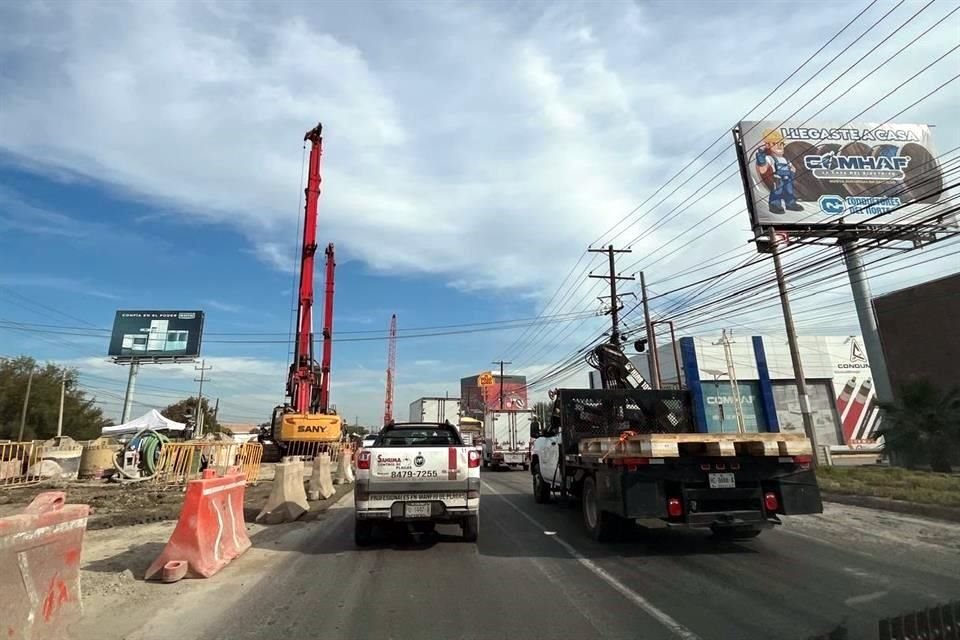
(501, 363)
(26, 404)
(732, 375)
(63, 394)
(805, 412)
(128, 395)
(216, 409)
(614, 300)
(203, 368)
(653, 358)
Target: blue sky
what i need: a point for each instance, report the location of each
(150, 156)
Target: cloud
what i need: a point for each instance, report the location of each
(34, 281)
(487, 151)
(223, 306)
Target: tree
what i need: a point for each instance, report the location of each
(82, 419)
(185, 410)
(923, 426)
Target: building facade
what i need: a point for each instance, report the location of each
(918, 332)
(475, 400)
(765, 397)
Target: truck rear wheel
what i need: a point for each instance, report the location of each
(541, 490)
(471, 528)
(362, 532)
(603, 526)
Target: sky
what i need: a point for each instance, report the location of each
(151, 156)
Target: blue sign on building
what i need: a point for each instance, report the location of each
(720, 407)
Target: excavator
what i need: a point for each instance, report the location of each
(307, 419)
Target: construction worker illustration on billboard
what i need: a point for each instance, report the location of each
(774, 166)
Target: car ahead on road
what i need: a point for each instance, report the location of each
(417, 473)
(368, 440)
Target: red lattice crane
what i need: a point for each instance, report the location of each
(327, 333)
(391, 370)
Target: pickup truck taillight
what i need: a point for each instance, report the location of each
(363, 460)
(473, 458)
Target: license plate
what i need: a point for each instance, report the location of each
(416, 510)
(721, 480)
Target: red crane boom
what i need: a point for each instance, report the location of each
(327, 333)
(391, 370)
(302, 385)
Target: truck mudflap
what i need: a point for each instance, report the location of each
(799, 494)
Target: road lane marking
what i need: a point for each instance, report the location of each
(660, 616)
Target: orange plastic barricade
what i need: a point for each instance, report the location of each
(210, 531)
(40, 568)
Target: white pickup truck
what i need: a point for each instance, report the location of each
(417, 473)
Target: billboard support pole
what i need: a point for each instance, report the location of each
(805, 413)
(203, 368)
(868, 321)
(128, 395)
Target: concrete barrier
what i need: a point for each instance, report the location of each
(288, 499)
(321, 486)
(210, 531)
(40, 568)
(345, 468)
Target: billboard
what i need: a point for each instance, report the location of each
(860, 175)
(475, 400)
(156, 334)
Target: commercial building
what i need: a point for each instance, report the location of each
(475, 400)
(918, 332)
(842, 397)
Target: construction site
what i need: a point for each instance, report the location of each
(548, 336)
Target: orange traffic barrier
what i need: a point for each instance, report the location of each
(210, 531)
(40, 568)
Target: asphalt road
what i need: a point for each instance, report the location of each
(535, 574)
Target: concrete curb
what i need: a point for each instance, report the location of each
(936, 512)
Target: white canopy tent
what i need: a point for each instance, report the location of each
(153, 419)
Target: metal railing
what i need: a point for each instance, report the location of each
(310, 450)
(20, 463)
(180, 462)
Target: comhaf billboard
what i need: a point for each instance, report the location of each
(859, 174)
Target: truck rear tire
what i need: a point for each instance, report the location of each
(362, 532)
(601, 525)
(541, 490)
(471, 528)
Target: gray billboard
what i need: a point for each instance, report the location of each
(156, 334)
(862, 175)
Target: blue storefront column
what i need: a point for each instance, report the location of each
(768, 408)
(691, 373)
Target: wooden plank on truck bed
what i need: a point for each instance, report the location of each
(672, 445)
